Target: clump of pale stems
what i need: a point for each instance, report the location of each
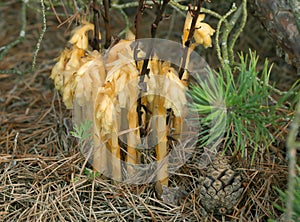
(101, 87)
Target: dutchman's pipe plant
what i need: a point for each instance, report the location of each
(101, 87)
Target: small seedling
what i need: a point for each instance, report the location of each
(82, 131)
(236, 107)
(90, 173)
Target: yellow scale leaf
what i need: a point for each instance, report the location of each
(203, 31)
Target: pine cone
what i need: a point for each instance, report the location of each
(221, 187)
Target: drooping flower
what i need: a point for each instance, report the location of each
(80, 35)
(89, 77)
(78, 68)
(203, 31)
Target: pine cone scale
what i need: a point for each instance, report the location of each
(221, 187)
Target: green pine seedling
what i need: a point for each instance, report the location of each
(237, 111)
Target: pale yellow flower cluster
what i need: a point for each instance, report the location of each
(103, 87)
(98, 86)
(203, 31)
(79, 72)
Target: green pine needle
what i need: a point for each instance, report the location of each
(237, 110)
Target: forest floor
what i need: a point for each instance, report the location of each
(43, 174)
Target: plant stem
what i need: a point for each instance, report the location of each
(195, 13)
(292, 146)
(127, 23)
(137, 21)
(106, 19)
(55, 13)
(226, 32)
(161, 148)
(135, 55)
(22, 34)
(145, 71)
(96, 41)
(242, 24)
(41, 36)
(160, 10)
(178, 7)
(130, 4)
(218, 49)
